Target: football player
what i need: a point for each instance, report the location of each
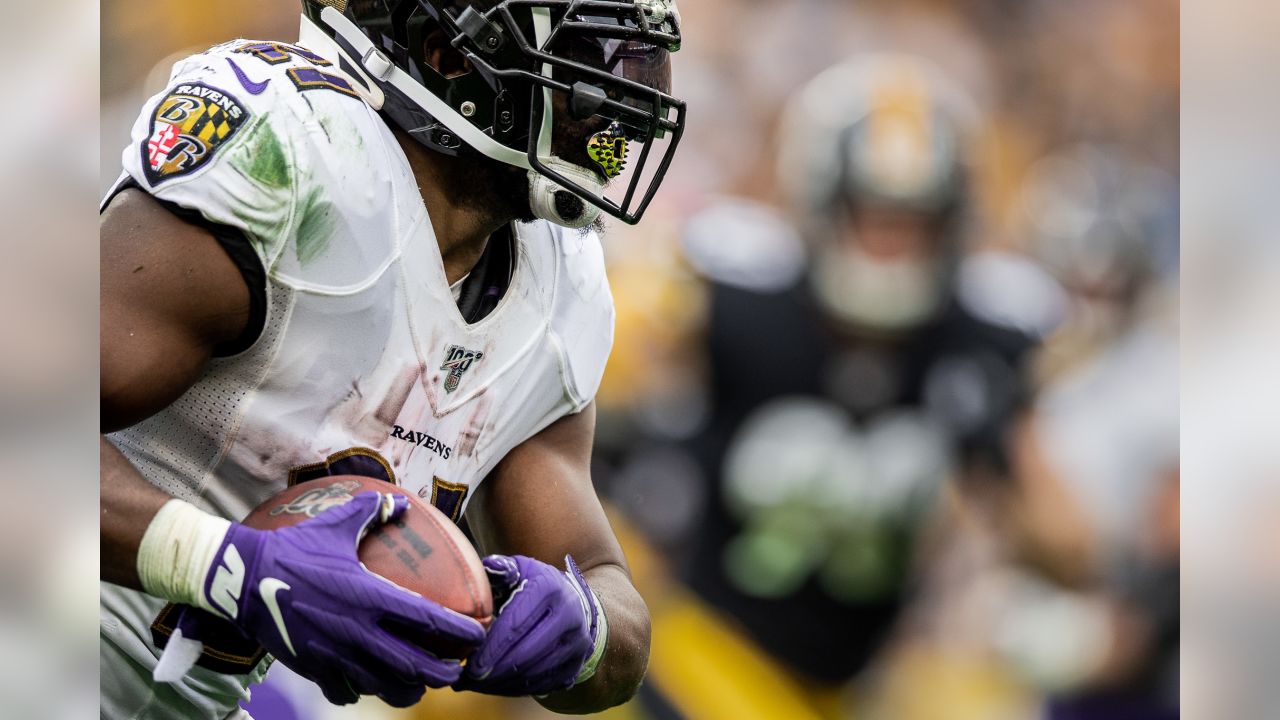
(847, 394)
(371, 252)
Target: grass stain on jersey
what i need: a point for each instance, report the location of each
(265, 160)
(316, 226)
(261, 159)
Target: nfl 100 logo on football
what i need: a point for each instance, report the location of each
(314, 502)
(458, 360)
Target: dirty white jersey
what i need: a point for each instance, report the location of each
(364, 363)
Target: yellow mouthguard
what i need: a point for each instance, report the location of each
(609, 149)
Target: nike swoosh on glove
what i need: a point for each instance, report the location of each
(545, 630)
(303, 594)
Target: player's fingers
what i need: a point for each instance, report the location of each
(541, 678)
(484, 660)
(564, 662)
(491, 657)
(432, 619)
(414, 664)
(361, 673)
(402, 696)
(345, 689)
(538, 686)
(579, 585)
(337, 690)
(503, 573)
(435, 672)
(392, 507)
(519, 625)
(516, 684)
(541, 654)
(490, 687)
(355, 517)
(370, 674)
(357, 511)
(575, 574)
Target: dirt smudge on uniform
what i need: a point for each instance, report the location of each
(470, 434)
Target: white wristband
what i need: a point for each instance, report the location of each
(601, 640)
(177, 551)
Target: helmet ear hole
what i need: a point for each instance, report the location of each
(441, 55)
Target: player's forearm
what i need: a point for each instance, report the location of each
(151, 541)
(128, 504)
(626, 655)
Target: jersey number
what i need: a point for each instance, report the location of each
(305, 78)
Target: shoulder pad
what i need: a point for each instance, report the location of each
(271, 139)
(1010, 291)
(205, 143)
(744, 244)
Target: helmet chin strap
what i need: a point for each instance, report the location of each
(547, 198)
(552, 202)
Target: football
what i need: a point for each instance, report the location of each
(422, 550)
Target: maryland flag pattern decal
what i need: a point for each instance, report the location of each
(188, 126)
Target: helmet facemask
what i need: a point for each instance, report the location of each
(575, 92)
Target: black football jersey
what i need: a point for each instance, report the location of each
(824, 454)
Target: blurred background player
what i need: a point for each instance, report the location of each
(1109, 413)
(853, 391)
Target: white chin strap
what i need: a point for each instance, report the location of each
(543, 191)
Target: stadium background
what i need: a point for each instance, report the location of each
(1074, 95)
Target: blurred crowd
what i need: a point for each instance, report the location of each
(890, 427)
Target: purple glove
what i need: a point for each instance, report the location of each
(302, 593)
(545, 630)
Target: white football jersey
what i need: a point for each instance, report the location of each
(364, 364)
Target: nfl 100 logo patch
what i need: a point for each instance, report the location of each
(458, 360)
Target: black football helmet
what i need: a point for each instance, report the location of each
(882, 133)
(565, 89)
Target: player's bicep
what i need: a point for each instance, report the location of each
(169, 295)
(540, 501)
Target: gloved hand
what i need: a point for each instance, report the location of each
(548, 628)
(302, 593)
